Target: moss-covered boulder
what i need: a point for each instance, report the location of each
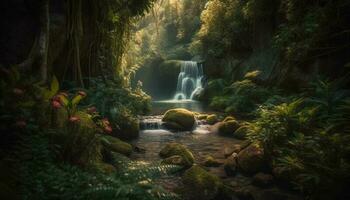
(209, 161)
(175, 149)
(175, 160)
(228, 128)
(179, 119)
(202, 116)
(212, 119)
(251, 159)
(231, 165)
(200, 184)
(116, 145)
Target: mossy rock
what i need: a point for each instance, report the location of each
(229, 118)
(231, 165)
(241, 132)
(175, 160)
(211, 162)
(200, 184)
(212, 119)
(228, 128)
(175, 149)
(183, 118)
(252, 159)
(202, 117)
(116, 145)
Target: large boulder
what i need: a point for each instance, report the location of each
(175, 149)
(251, 159)
(200, 184)
(116, 145)
(179, 119)
(241, 133)
(175, 160)
(228, 128)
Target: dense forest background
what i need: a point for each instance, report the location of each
(77, 74)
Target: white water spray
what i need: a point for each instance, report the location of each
(189, 80)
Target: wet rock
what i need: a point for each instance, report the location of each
(202, 117)
(228, 128)
(139, 149)
(200, 184)
(116, 145)
(212, 119)
(262, 180)
(211, 162)
(230, 165)
(179, 119)
(228, 151)
(175, 149)
(175, 160)
(251, 159)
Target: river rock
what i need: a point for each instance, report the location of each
(211, 162)
(175, 160)
(262, 180)
(212, 119)
(200, 184)
(116, 145)
(175, 149)
(251, 159)
(228, 128)
(228, 151)
(179, 119)
(230, 165)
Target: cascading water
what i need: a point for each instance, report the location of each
(189, 80)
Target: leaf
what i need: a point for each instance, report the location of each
(64, 100)
(54, 85)
(76, 100)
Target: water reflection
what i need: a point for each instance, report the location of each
(159, 107)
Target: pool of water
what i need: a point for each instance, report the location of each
(159, 107)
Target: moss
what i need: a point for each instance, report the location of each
(212, 119)
(175, 160)
(175, 149)
(182, 117)
(200, 184)
(116, 145)
(211, 162)
(202, 117)
(228, 128)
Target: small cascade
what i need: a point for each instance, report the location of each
(189, 80)
(151, 123)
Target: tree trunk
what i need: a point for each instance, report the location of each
(44, 39)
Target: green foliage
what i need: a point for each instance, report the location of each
(119, 104)
(241, 96)
(309, 137)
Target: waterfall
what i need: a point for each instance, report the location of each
(189, 80)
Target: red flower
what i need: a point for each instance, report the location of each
(108, 129)
(56, 104)
(92, 110)
(82, 93)
(21, 124)
(74, 119)
(18, 91)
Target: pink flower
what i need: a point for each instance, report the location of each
(21, 124)
(18, 92)
(82, 93)
(91, 110)
(108, 129)
(56, 104)
(74, 119)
